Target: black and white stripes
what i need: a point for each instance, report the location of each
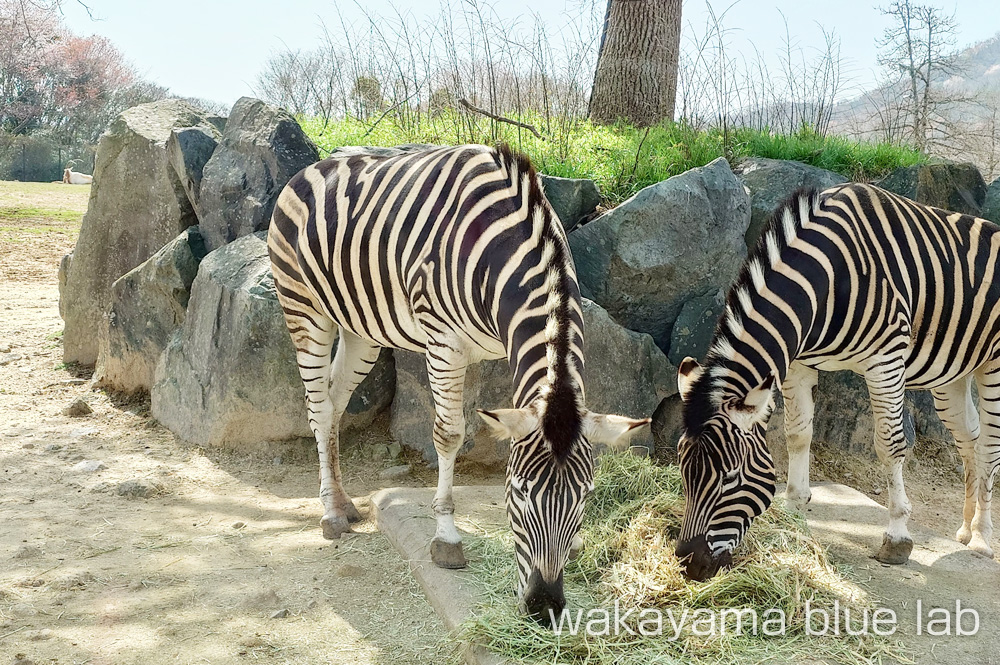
(454, 253)
(851, 278)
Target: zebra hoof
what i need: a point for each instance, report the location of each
(350, 511)
(895, 552)
(334, 526)
(979, 544)
(447, 555)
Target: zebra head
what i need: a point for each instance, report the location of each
(726, 468)
(550, 472)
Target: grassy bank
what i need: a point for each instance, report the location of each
(623, 159)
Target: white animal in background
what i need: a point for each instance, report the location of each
(71, 177)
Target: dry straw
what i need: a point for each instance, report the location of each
(632, 519)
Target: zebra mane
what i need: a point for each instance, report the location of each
(562, 417)
(782, 227)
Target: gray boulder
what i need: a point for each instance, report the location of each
(772, 181)
(137, 205)
(679, 239)
(625, 373)
(956, 187)
(148, 305)
(189, 149)
(229, 376)
(261, 148)
(991, 208)
(573, 199)
(695, 325)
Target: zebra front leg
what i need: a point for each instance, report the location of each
(352, 362)
(797, 392)
(886, 386)
(446, 367)
(987, 457)
(959, 414)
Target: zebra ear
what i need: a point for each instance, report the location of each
(687, 374)
(752, 409)
(609, 429)
(510, 423)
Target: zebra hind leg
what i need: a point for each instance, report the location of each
(352, 362)
(987, 458)
(446, 373)
(885, 378)
(959, 414)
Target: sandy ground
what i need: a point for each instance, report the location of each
(175, 554)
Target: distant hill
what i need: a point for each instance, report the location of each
(970, 127)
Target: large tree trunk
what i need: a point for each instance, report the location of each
(636, 77)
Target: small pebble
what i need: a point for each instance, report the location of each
(239, 525)
(280, 614)
(27, 552)
(350, 570)
(77, 408)
(89, 466)
(395, 450)
(277, 461)
(877, 491)
(28, 446)
(8, 358)
(394, 472)
(53, 448)
(136, 489)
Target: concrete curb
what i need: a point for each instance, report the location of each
(404, 516)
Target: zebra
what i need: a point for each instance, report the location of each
(855, 278)
(454, 253)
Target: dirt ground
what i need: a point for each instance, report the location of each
(169, 553)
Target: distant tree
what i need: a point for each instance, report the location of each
(918, 50)
(60, 89)
(636, 78)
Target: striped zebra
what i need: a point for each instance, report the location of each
(850, 278)
(454, 253)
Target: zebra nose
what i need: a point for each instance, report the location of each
(697, 561)
(544, 601)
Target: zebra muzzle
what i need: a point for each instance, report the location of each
(697, 561)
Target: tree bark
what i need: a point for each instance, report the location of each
(636, 77)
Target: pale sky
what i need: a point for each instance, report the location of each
(215, 48)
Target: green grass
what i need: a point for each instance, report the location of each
(31, 213)
(631, 521)
(622, 159)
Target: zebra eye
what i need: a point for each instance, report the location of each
(729, 480)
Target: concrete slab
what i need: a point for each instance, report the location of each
(939, 573)
(404, 515)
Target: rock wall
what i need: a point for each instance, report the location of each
(137, 205)
(189, 312)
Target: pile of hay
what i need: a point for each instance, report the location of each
(631, 522)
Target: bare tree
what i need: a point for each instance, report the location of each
(918, 51)
(636, 78)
